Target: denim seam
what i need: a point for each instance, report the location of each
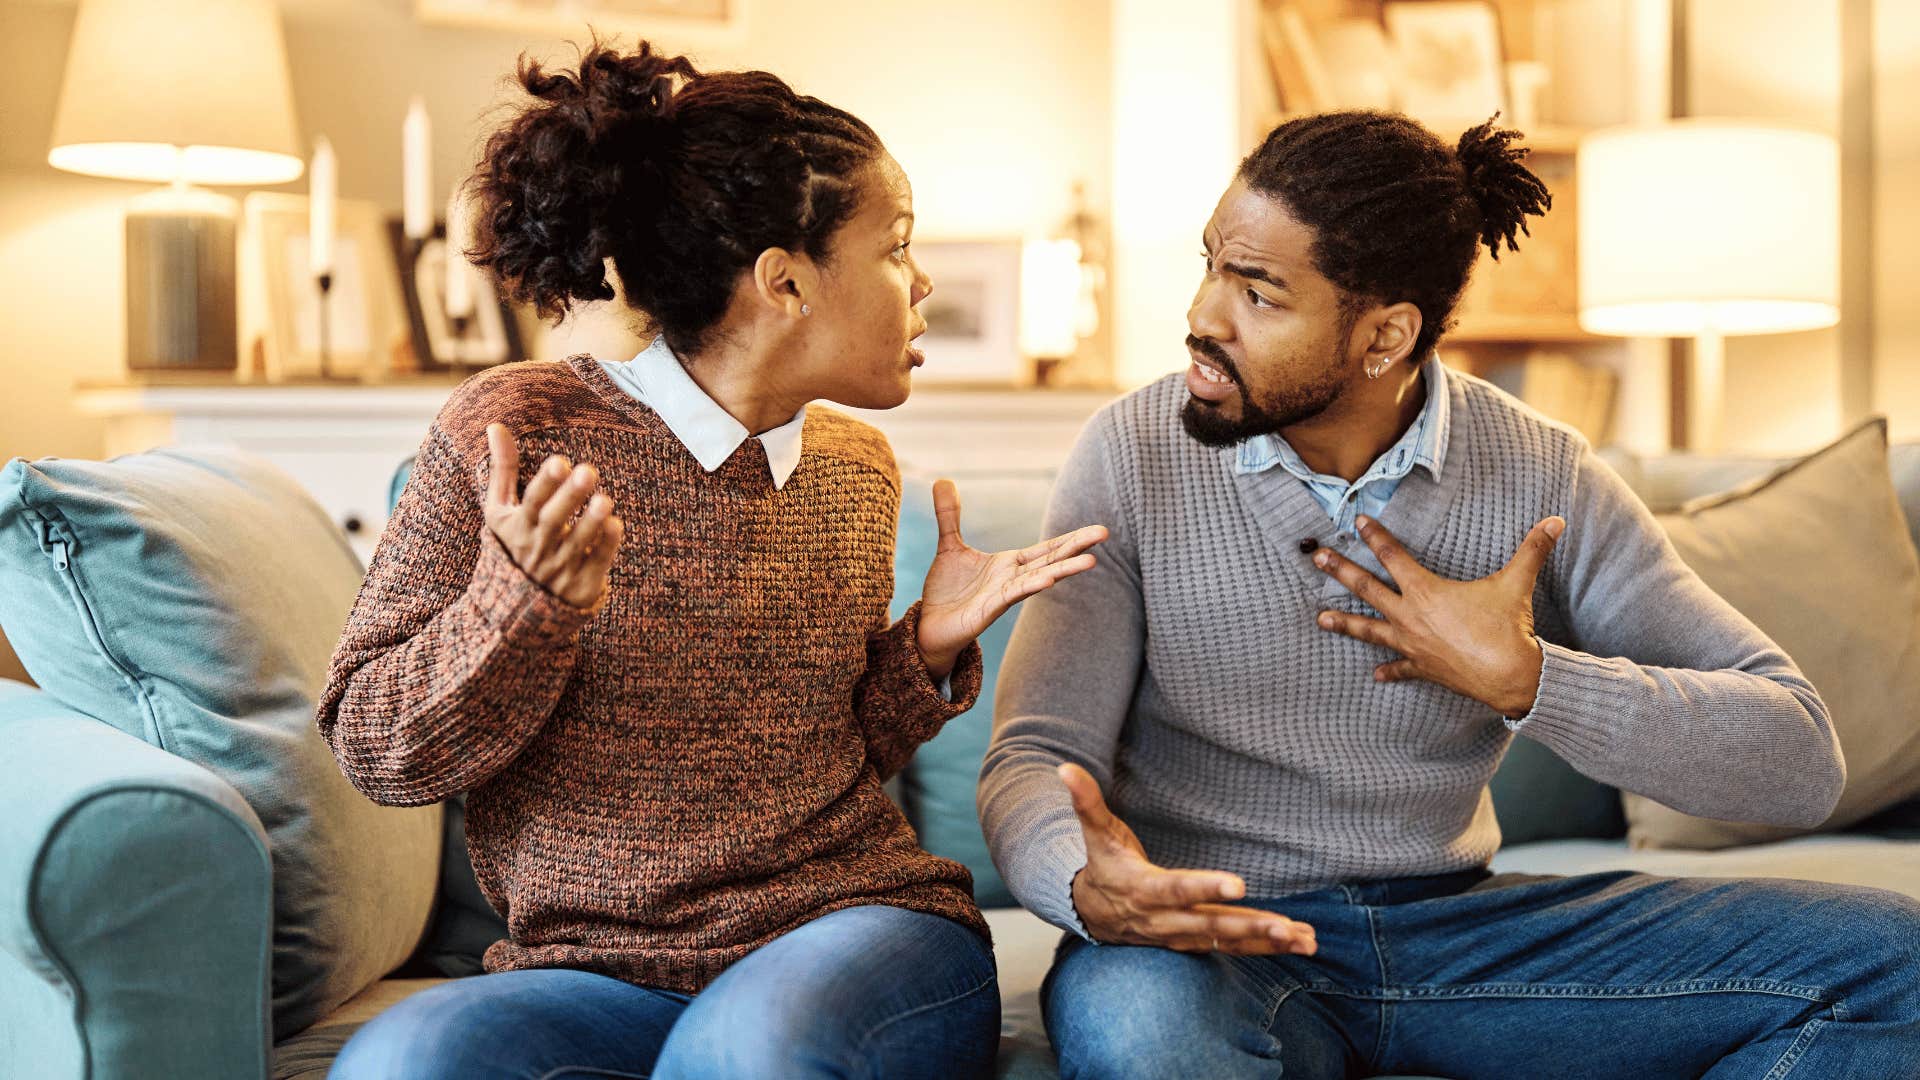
(1380, 956)
(860, 1046)
(1808, 1032)
(589, 1070)
(1586, 990)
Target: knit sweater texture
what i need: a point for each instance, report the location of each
(1187, 673)
(660, 787)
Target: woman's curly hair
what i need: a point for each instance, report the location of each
(682, 178)
(1396, 215)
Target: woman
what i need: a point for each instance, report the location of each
(663, 668)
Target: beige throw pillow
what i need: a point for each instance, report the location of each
(1819, 557)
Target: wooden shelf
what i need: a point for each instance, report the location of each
(1519, 329)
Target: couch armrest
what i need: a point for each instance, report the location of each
(136, 906)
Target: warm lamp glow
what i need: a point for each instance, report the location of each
(189, 90)
(1708, 226)
(1049, 298)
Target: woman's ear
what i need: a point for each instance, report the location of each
(785, 282)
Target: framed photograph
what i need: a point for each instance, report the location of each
(674, 23)
(284, 303)
(489, 336)
(1339, 63)
(973, 314)
(1452, 64)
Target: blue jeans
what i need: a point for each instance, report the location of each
(1477, 975)
(865, 991)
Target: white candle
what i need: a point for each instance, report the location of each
(459, 285)
(322, 192)
(416, 150)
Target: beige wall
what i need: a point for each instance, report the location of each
(1896, 59)
(994, 107)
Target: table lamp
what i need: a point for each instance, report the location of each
(180, 92)
(1704, 228)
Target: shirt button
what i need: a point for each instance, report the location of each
(1309, 545)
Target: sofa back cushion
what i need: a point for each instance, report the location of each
(999, 510)
(1819, 556)
(193, 600)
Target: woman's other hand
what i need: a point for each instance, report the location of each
(570, 558)
(967, 590)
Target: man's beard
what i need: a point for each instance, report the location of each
(1210, 426)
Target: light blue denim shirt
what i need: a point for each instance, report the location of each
(1424, 444)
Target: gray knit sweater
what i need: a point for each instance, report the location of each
(1187, 674)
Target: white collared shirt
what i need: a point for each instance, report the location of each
(657, 379)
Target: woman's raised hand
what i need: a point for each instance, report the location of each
(967, 590)
(569, 558)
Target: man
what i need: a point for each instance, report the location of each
(1340, 579)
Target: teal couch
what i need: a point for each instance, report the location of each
(135, 886)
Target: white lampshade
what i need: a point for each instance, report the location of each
(1708, 227)
(1049, 298)
(193, 90)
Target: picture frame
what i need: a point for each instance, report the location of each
(491, 337)
(1328, 63)
(973, 313)
(1452, 61)
(677, 23)
(282, 303)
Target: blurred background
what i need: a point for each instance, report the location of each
(1730, 265)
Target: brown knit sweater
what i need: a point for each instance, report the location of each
(660, 788)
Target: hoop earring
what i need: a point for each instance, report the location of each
(1374, 371)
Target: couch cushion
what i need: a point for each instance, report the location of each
(998, 511)
(193, 600)
(1818, 556)
(1839, 858)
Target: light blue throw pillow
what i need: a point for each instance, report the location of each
(193, 600)
(997, 511)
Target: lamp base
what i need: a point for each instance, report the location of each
(1706, 393)
(182, 314)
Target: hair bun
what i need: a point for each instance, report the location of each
(1501, 185)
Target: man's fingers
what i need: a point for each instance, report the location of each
(1527, 562)
(503, 476)
(1161, 888)
(946, 510)
(1087, 802)
(1360, 627)
(1397, 671)
(1394, 558)
(1374, 592)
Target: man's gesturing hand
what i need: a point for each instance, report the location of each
(1125, 900)
(571, 561)
(1473, 637)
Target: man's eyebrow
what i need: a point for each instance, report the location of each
(904, 215)
(1254, 273)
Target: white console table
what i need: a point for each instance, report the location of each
(344, 443)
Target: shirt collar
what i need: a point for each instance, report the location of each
(1423, 444)
(658, 380)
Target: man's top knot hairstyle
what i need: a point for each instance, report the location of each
(682, 178)
(1396, 215)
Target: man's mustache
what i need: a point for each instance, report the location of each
(1214, 353)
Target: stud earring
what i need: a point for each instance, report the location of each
(806, 309)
